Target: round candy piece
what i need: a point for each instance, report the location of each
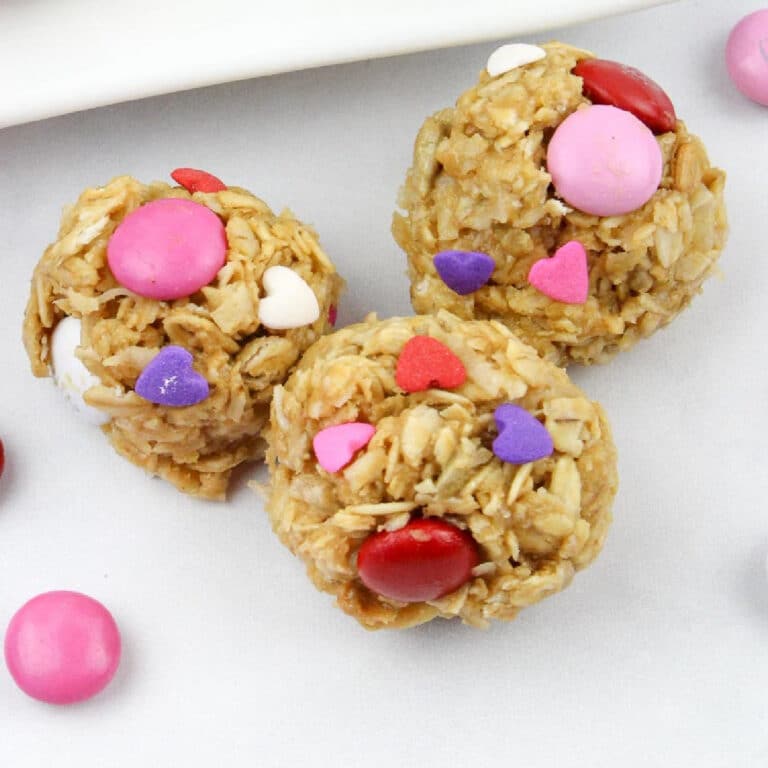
(746, 55)
(608, 82)
(62, 647)
(167, 249)
(604, 161)
(69, 373)
(424, 560)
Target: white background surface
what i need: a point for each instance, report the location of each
(87, 53)
(656, 656)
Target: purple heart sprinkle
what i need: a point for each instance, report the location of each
(522, 437)
(464, 271)
(170, 379)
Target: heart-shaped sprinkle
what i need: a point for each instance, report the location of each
(522, 438)
(464, 271)
(289, 303)
(426, 363)
(424, 560)
(194, 180)
(564, 276)
(167, 249)
(332, 313)
(512, 56)
(170, 379)
(336, 446)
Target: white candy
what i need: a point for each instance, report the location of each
(290, 302)
(70, 375)
(511, 56)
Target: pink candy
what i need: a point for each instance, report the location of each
(746, 56)
(563, 277)
(604, 161)
(62, 647)
(336, 446)
(167, 249)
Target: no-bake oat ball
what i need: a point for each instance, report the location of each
(169, 313)
(563, 197)
(432, 466)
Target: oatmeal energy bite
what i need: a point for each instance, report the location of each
(432, 466)
(168, 315)
(562, 197)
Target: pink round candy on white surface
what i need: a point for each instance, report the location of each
(167, 249)
(746, 56)
(604, 161)
(62, 647)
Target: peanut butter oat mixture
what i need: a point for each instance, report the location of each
(534, 524)
(479, 182)
(194, 447)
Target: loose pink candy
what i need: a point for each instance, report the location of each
(336, 446)
(746, 55)
(604, 161)
(62, 647)
(167, 249)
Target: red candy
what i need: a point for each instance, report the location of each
(424, 560)
(332, 312)
(608, 82)
(425, 363)
(197, 181)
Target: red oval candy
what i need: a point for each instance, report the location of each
(424, 560)
(194, 180)
(608, 82)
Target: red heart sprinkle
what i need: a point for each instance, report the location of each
(424, 560)
(425, 363)
(194, 180)
(608, 82)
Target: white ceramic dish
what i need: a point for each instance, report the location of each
(79, 54)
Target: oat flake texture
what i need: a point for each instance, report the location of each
(535, 524)
(479, 182)
(196, 447)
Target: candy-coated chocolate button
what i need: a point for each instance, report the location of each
(604, 161)
(170, 379)
(336, 446)
(426, 363)
(522, 437)
(608, 82)
(194, 180)
(746, 55)
(424, 560)
(62, 647)
(69, 373)
(167, 249)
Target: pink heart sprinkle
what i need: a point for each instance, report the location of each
(564, 276)
(335, 446)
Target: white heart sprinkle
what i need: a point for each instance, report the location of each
(511, 56)
(289, 303)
